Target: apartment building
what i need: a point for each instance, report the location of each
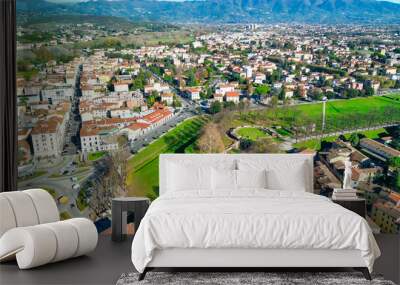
(48, 137)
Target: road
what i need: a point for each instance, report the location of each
(188, 110)
(58, 176)
(72, 139)
(155, 133)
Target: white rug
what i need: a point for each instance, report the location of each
(244, 278)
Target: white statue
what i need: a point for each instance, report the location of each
(347, 175)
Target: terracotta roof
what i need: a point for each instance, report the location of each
(193, 89)
(47, 127)
(138, 126)
(157, 115)
(108, 122)
(93, 131)
(232, 94)
(394, 196)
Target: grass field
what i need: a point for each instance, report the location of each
(360, 106)
(316, 144)
(143, 167)
(251, 133)
(340, 114)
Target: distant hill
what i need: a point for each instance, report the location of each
(34, 19)
(229, 11)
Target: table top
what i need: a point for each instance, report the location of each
(131, 199)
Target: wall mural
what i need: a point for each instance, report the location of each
(99, 98)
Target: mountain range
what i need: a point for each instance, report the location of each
(227, 11)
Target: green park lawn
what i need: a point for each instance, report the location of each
(251, 133)
(316, 144)
(143, 166)
(340, 114)
(362, 106)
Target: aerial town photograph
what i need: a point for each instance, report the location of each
(100, 97)
(200, 142)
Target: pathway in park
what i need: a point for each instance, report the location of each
(288, 142)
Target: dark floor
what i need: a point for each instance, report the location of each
(110, 260)
(103, 266)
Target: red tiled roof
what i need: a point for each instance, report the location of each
(138, 126)
(232, 94)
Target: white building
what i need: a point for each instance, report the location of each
(121, 87)
(168, 98)
(48, 137)
(193, 93)
(98, 139)
(232, 97)
(248, 70)
(56, 94)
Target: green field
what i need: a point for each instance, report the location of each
(143, 167)
(316, 144)
(340, 114)
(251, 133)
(337, 111)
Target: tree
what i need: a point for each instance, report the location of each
(263, 145)
(118, 168)
(262, 90)
(245, 144)
(397, 180)
(354, 139)
(274, 101)
(282, 94)
(210, 140)
(101, 196)
(43, 55)
(191, 80)
(317, 94)
(215, 107)
(369, 91)
(395, 162)
(176, 103)
(229, 105)
(330, 95)
(152, 98)
(242, 106)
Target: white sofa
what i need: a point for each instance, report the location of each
(31, 231)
